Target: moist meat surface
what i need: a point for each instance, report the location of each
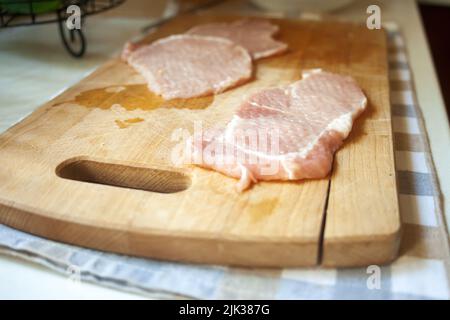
(254, 35)
(186, 66)
(283, 133)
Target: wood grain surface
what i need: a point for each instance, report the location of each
(93, 167)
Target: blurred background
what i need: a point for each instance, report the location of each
(436, 19)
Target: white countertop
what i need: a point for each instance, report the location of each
(24, 280)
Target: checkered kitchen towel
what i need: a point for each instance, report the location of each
(421, 272)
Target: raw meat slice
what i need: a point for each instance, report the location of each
(283, 133)
(254, 35)
(186, 66)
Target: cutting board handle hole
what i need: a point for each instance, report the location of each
(123, 175)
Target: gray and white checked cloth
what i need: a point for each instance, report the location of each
(422, 270)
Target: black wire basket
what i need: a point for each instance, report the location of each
(16, 13)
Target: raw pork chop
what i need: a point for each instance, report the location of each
(283, 133)
(186, 66)
(254, 35)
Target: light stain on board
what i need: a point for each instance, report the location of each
(122, 124)
(134, 120)
(133, 97)
(262, 209)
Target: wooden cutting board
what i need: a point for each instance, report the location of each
(92, 167)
